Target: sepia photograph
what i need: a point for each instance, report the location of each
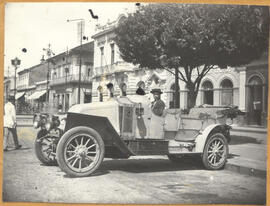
(135, 103)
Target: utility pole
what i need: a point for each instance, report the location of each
(80, 56)
(66, 71)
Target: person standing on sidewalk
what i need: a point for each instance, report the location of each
(10, 123)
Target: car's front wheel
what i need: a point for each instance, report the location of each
(215, 152)
(80, 151)
(45, 148)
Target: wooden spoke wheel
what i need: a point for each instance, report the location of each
(215, 152)
(80, 151)
(45, 148)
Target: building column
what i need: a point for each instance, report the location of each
(242, 88)
(216, 97)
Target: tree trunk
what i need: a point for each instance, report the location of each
(176, 92)
(192, 95)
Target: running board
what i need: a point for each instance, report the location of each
(178, 147)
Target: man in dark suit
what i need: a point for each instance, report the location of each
(157, 105)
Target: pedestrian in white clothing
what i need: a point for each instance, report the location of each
(10, 125)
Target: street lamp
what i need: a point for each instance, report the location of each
(49, 53)
(80, 56)
(15, 62)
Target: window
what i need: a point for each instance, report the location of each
(101, 56)
(112, 53)
(255, 81)
(55, 75)
(226, 92)
(207, 93)
(67, 71)
(88, 72)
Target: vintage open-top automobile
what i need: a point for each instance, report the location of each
(126, 126)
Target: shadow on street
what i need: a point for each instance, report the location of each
(235, 140)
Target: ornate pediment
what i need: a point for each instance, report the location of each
(156, 79)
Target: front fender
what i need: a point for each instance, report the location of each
(207, 132)
(116, 147)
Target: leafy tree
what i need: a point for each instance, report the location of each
(190, 40)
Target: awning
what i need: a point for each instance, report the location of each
(19, 95)
(37, 94)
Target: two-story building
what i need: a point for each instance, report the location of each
(65, 78)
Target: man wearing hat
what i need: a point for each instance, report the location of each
(157, 105)
(10, 123)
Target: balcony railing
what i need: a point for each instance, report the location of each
(70, 79)
(113, 68)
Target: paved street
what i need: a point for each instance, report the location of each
(138, 180)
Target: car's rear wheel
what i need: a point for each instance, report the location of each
(215, 152)
(80, 151)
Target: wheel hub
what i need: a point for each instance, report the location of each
(81, 151)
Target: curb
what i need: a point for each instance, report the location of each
(25, 125)
(246, 170)
(253, 130)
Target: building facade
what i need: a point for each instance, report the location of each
(220, 87)
(65, 78)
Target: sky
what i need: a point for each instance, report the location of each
(35, 25)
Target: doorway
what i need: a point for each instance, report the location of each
(87, 98)
(255, 100)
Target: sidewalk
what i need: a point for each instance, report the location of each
(248, 151)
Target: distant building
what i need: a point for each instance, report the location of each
(27, 94)
(59, 75)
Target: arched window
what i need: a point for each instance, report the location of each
(207, 92)
(226, 87)
(255, 80)
(256, 100)
(100, 93)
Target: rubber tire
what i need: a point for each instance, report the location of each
(38, 152)
(61, 146)
(205, 157)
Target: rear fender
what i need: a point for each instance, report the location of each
(105, 129)
(207, 132)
